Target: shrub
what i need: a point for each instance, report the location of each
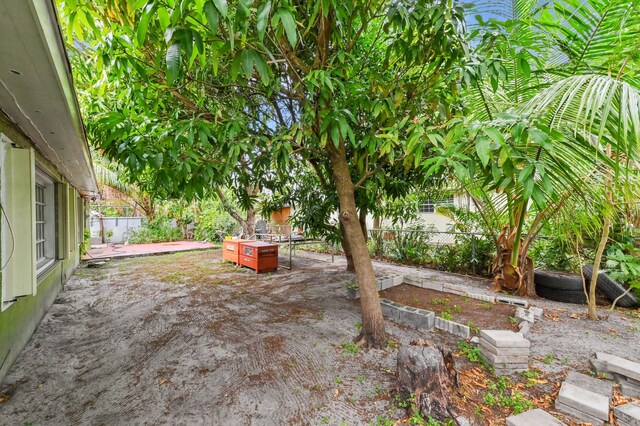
(623, 264)
(214, 223)
(157, 231)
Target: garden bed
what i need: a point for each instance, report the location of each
(462, 309)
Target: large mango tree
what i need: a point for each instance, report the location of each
(195, 93)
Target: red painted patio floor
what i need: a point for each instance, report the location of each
(120, 250)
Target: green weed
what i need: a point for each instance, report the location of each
(349, 348)
(472, 353)
(446, 315)
(549, 358)
(498, 396)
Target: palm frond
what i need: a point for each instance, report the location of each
(597, 34)
(598, 104)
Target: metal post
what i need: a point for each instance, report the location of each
(290, 261)
(474, 260)
(333, 251)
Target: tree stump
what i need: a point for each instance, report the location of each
(427, 373)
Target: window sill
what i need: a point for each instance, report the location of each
(43, 273)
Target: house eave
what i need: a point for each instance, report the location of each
(37, 92)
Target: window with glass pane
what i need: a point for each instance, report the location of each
(429, 206)
(45, 209)
(40, 223)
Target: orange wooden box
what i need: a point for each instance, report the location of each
(230, 249)
(259, 256)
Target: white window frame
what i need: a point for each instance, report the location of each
(429, 206)
(45, 234)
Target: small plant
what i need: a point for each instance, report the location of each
(358, 326)
(378, 389)
(360, 378)
(513, 320)
(497, 395)
(549, 358)
(382, 421)
(86, 241)
(446, 315)
(325, 420)
(337, 380)
(486, 305)
(473, 354)
(455, 309)
(531, 376)
(349, 348)
(439, 301)
(351, 285)
(474, 328)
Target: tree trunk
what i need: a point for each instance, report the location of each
(515, 279)
(347, 250)
(249, 224)
(373, 331)
(593, 312)
(427, 374)
(606, 225)
(362, 218)
(101, 222)
(376, 222)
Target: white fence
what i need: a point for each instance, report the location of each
(116, 229)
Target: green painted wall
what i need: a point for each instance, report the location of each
(19, 320)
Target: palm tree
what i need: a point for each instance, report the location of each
(555, 120)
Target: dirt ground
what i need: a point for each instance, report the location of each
(476, 314)
(187, 339)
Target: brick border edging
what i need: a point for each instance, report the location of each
(422, 318)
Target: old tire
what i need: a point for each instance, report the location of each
(558, 280)
(611, 289)
(566, 296)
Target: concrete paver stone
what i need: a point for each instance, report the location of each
(505, 359)
(537, 417)
(602, 387)
(624, 367)
(628, 414)
(577, 414)
(503, 351)
(504, 339)
(524, 315)
(584, 400)
(536, 311)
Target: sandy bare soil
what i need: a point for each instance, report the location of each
(187, 339)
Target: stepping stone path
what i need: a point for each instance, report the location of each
(628, 414)
(506, 350)
(623, 371)
(535, 417)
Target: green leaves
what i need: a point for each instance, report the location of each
(143, 24)
(213, 17)
(263, 18)
(483, 149)
(221, 5)
(285, 17)
(173, 62)
(249, 60)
